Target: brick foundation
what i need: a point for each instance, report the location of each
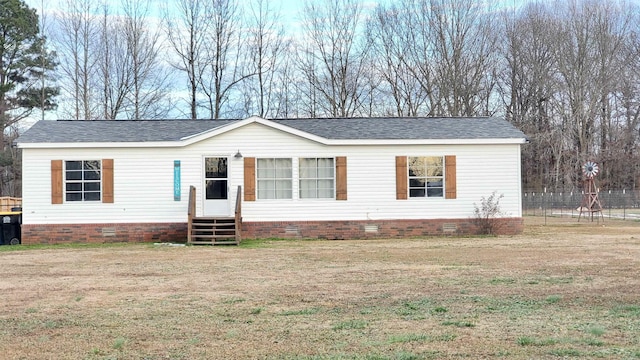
(373, 229)
(104, 233)
(177, 232)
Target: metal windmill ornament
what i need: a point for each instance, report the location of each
(590, 169)
(590, 201)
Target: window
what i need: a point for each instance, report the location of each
(317, 178)
(274, 178)
(82, 180)
(215, 178)
(426, 176)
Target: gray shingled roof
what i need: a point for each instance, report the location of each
(406, 128)
(78, 131)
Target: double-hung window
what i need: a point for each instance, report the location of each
(82, 180)
(274, 178)
(317, 178)
(426, 176)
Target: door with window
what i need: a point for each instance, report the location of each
(216, 186)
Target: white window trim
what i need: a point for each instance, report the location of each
(82, 181)
(333, 195)
(409, 177)
(293, 176)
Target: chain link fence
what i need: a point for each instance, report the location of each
(619, 204)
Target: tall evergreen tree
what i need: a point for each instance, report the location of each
(24, 62)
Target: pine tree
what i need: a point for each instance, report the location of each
(24, 62)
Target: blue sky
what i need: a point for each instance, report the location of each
(290, 9)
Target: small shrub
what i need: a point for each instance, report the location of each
(487, 215)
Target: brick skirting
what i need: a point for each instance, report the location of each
(177, 232)
(103, 233)
(370, 229)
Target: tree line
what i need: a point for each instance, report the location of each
(567, 73)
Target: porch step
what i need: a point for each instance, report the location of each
(214, 231)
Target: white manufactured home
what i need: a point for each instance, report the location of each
(220, 180)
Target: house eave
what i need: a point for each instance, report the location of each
(329, 142)
(79, 145)
(425, 142)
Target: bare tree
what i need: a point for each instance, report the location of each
(528, 86)
(131, 76)
(571, 84)
(187, 30)
(464, 46)
(113, 64)
(390, 37)
(266, 44)
(589, 42)
(148, 77)
(287, 98)
(336, 59)
(225, 65)
(76, 40)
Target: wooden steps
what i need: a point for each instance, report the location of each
(214, 231)
(205, 230)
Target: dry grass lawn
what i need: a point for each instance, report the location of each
(564, 289)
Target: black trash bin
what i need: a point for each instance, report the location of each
(10, 227)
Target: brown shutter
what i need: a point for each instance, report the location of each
(107, 181)
(56, 181)
(401, 177)
(450, 177)
(249, 179)
(341, 178)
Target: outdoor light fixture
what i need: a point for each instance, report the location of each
(238, 155)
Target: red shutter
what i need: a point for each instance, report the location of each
(401, 177)
(341, 178)
(107, 181)
(450, 177)
(249, 179)
(56, 181)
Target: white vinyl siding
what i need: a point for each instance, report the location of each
(144, 184)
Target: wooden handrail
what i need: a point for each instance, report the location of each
(191, 211)
(238, 214)
(191, 214)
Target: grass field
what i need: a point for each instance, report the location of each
(560, 290)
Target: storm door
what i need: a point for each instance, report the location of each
(216, 186)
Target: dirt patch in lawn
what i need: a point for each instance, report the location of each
(561, 289)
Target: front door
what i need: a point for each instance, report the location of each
(216, 186)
